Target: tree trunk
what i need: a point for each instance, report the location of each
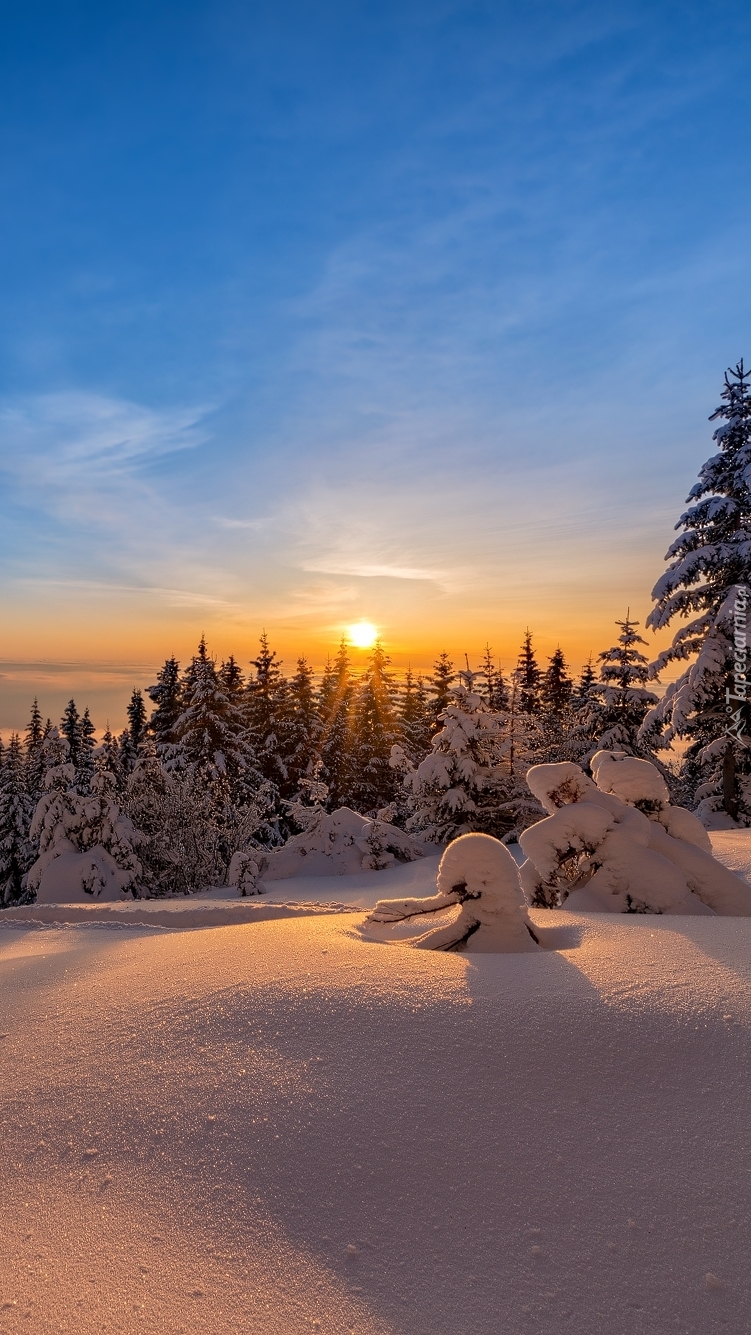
(729, 800)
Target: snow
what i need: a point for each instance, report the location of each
(281, 1128)
(342, 842)
(224, 905)
(598, 852)
(479, 876)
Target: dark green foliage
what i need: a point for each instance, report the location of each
(334, 701)
(415, 715)
(528, 678)
(33, 763)
(166, 695)
(443, 678)
(70, 729)
(556, 688)
(16, 811)
(372, 783)
(305, 729)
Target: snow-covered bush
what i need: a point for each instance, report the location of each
(245, 872)
(341, 843)
(478, 873)
(86, 842)
(618, 845)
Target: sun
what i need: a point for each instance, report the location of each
(362, 635)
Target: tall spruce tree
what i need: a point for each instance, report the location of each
(415, 716)
(334, 703)
(211, 733)
(374, 730)
(705, 583)
(618, 701)
(440, 683)
(166, 695)
(556, 687)
(528, 678)
(86, 746)
(16, 812)
(268, 716)
(70, 728)
(33, 763)
(496, 689)
(305, 729)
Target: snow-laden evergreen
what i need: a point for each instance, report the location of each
(617, 845)
(373, 731)
(334, 703)
(613, 711)
(709, 570)
(16, 812)
(464, 783)
(211, 733)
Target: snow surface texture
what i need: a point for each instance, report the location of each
(478, 874)
(598, 851)
(280, 1129)
(224, 905)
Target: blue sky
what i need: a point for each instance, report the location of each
(312, 312)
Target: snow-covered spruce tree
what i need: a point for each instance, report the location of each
(33, 762)
(211, 734)
(497, 691)
(556, 718)
(70, 729)
(16, 812)
(334, 703)
(557, 686)
(414, 716)
(440, 683)
(611, 717)
(166, 695)
(133, 735)
(528, 678)
(709, 562)
(374, 730)
(583, 687)
(55, 821)
(268, 716)
(462, 785)
(86, 747)
(105, 828)
(232, 679)
(305, 729)
(108, 756)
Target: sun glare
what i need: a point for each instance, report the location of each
(362, 635)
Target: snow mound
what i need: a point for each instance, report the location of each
(341, 843)
(556, 786)
(478, 874)
(631, 779)
(71, 877)
(598, 851)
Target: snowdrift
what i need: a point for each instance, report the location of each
(340, 843)
(617, 845)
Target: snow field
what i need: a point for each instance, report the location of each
(262, 1128)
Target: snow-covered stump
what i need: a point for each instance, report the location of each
(478, 873)
(617, 845)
